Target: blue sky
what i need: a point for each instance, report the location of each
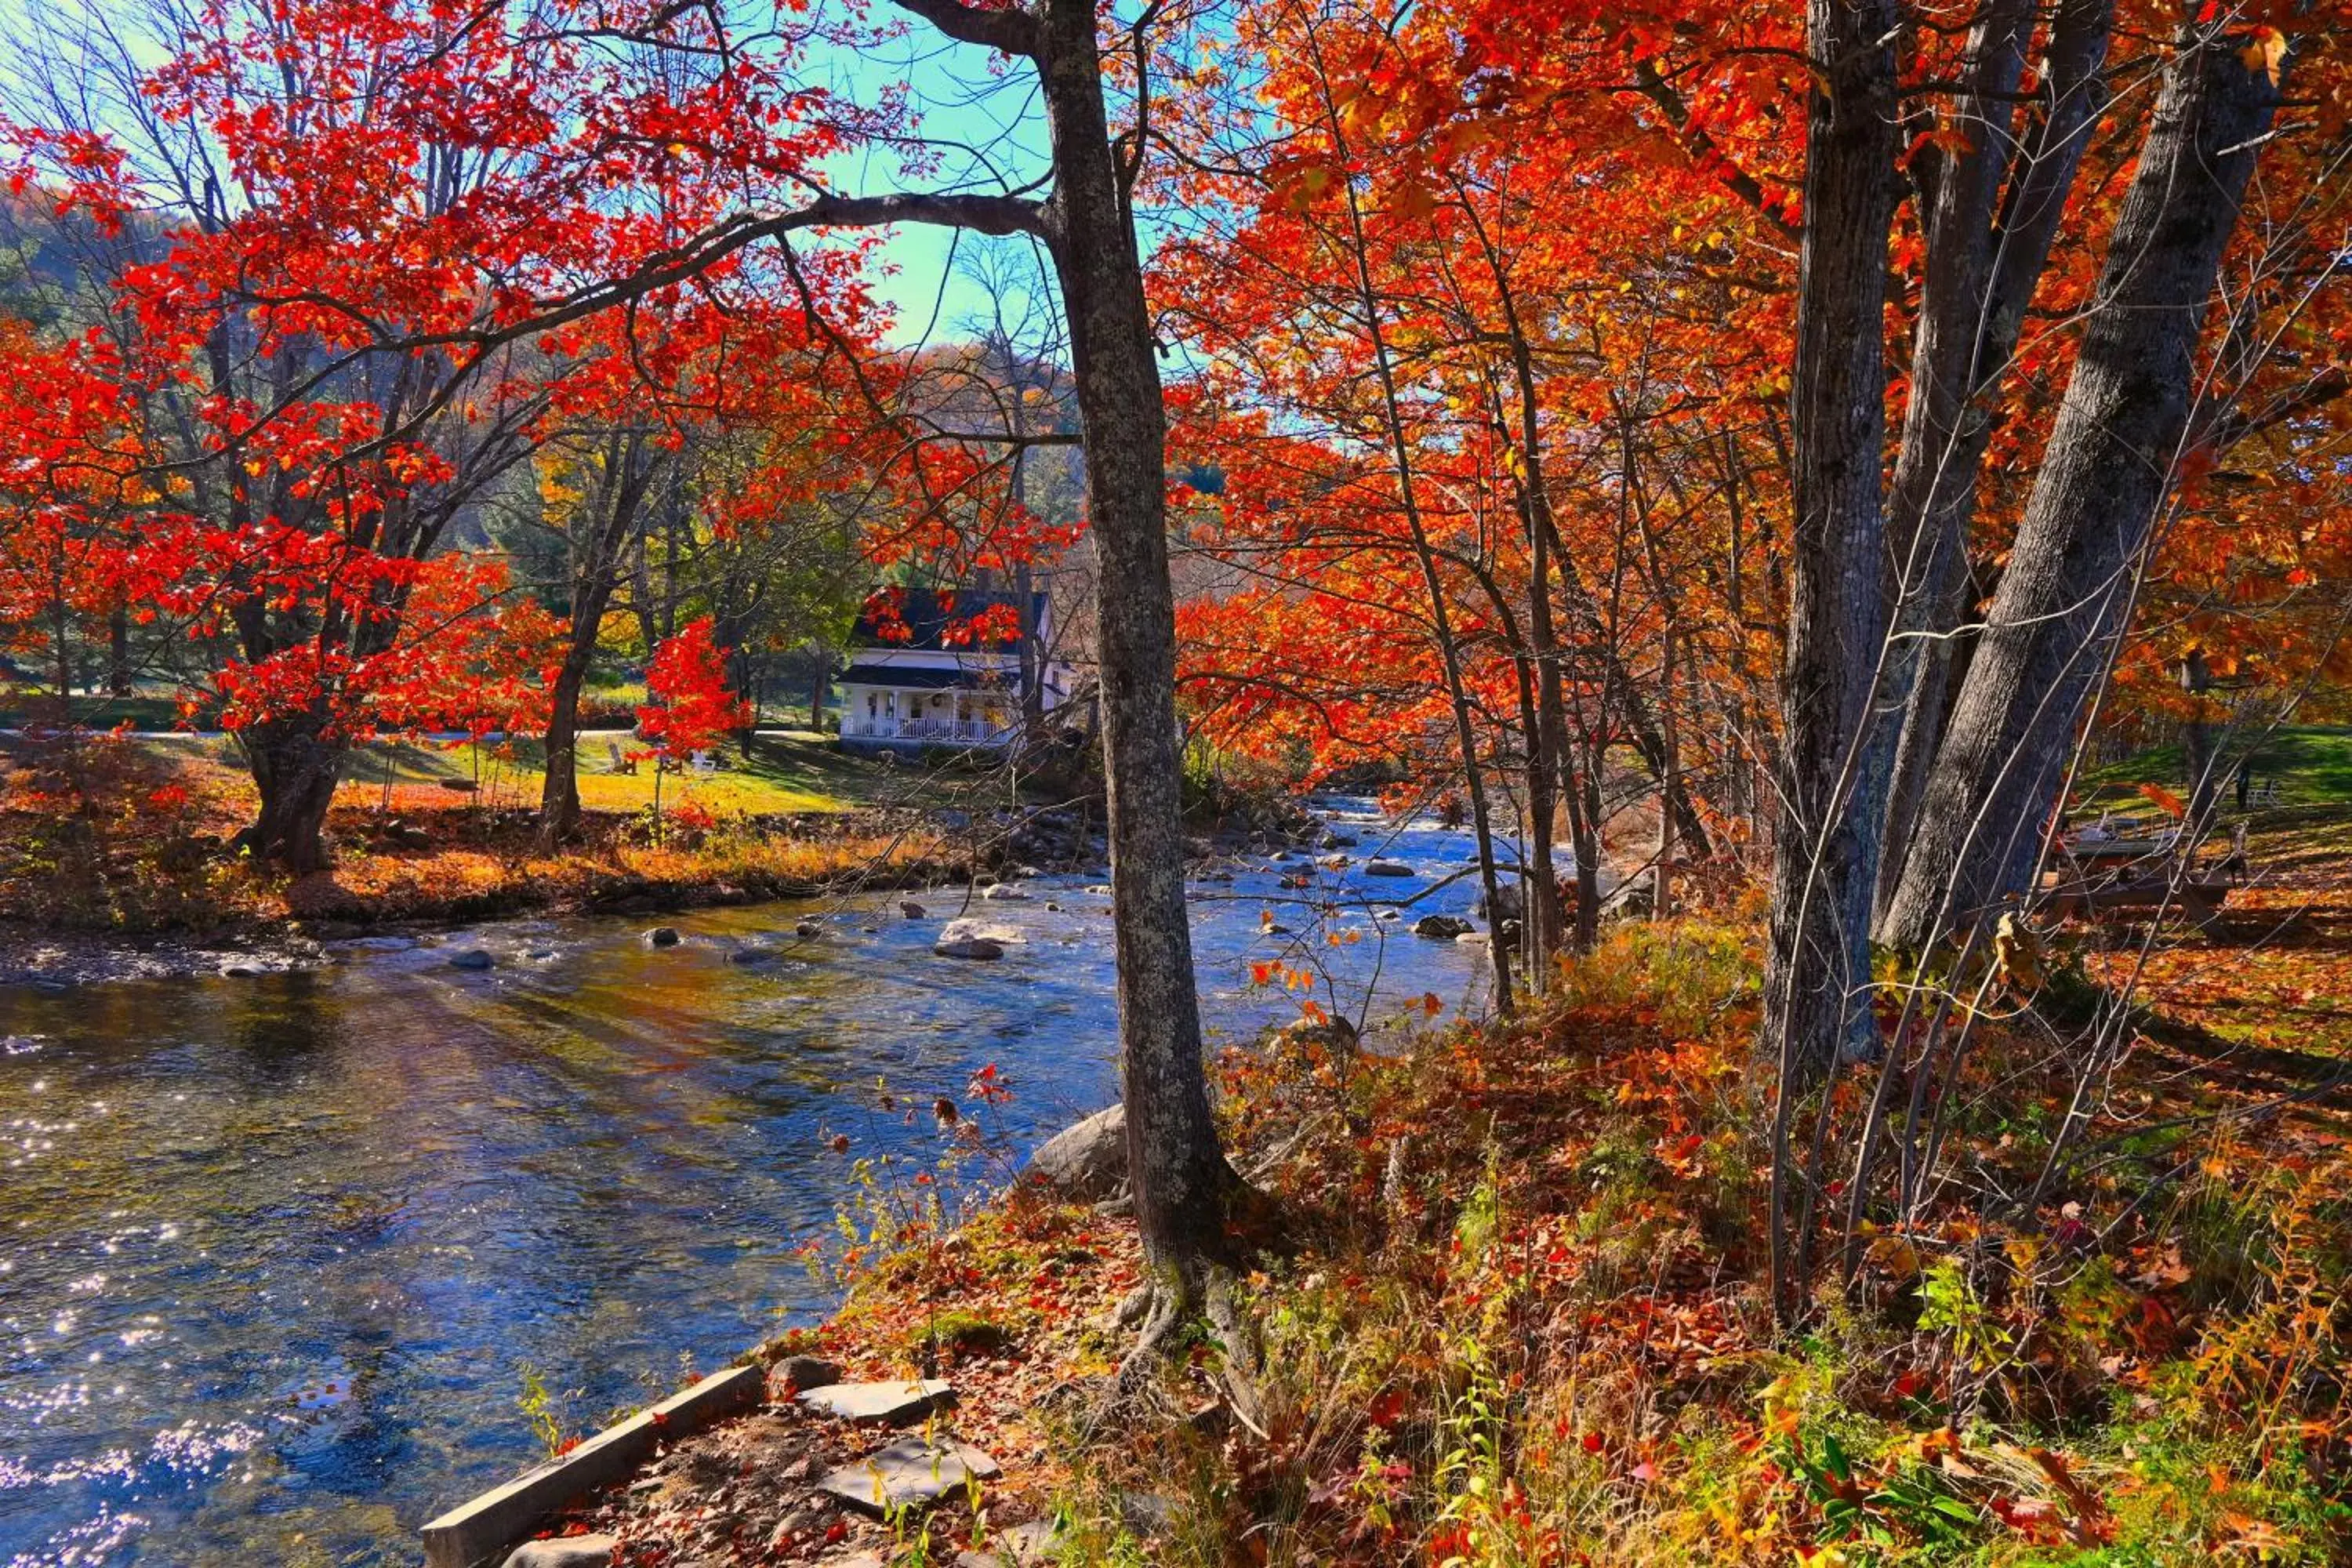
(989, 132)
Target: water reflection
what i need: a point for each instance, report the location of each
(274, 1249)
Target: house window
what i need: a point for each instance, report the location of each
(869, 705)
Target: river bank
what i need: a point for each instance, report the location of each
(1517, 1316)
(120, 858)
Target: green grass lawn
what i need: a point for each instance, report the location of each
(790, 771)
(2311, 765)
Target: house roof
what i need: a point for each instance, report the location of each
(906, 675)
(929, 622)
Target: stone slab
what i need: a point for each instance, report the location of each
(475, 1532)
(567, 1551)
(897, 1403)
(910, 1473)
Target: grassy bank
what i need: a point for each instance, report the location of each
(1515, 1316)
(129, 837)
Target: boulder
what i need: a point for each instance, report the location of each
(911, 910)
(1005, 892)
(1387, 868)
(662, 936)
(1510, 904)
(752, 956)
(471, 958)
(1087, 1161)
(979, 949)
(807, 1372)
(565, 1552)
(806, 929)
(1441, 927)
(970, 930)
(1332, 1034)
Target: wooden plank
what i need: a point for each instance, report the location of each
(478, 1533)
(2198, 900)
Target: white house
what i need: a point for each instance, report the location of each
(925, 679)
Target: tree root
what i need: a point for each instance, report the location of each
(1166, 1307)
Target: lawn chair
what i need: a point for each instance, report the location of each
(622, 762)
(704, 765)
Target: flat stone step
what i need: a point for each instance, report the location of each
(897, 1403)
(909, 1473)
(565, 1551)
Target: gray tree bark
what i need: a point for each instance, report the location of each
(2061, 602)
(1182, 1184)
(1824, 857)
(1987, 249)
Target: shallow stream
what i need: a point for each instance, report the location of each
(275, 1250)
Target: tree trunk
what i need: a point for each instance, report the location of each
(2197, 740)
(1981, 275)
(1182, 1184)
(559, 795)
(294, 771)
(1817, 970)
(1441, 618)
(118, 652)
(2061, 601)
(1662, 874)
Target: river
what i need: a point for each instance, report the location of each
(275, 1250)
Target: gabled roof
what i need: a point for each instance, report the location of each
(929, 622)
(918, 678)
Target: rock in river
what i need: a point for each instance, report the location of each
(1441, 927)
(1387, 868)
(471, 958)
(662, 936)
(911, 910)
(973, 947)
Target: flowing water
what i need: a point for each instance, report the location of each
(276, 1251)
